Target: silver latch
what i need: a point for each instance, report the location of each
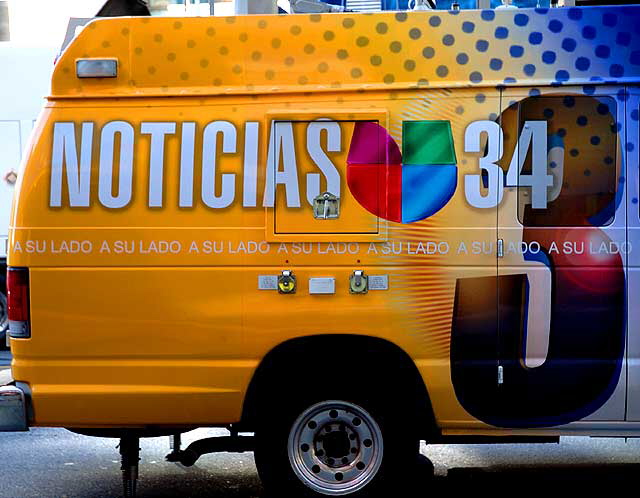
(326, 206)
(500, 248)
(358, 282)
(500, 375)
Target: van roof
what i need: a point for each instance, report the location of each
(356, 52)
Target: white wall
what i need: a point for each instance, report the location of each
(44, 22)
(26, 80)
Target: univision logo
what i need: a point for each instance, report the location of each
(402, 187)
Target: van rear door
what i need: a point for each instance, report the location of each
(632, 148)
(562, 324)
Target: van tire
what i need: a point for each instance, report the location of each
(382, 416)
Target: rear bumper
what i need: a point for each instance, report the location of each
(13, 409)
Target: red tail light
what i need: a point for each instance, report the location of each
(18, 300)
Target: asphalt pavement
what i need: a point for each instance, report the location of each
(57, 463)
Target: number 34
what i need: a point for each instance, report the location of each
(534, 138)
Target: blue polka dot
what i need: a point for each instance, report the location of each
(541, 10)
(575, 14)
(609, 19)
(480, 98)
(501, 32)
(548, 113)
(635, 58)
(529, 69)
(616, 71)
(587, 172)
(623, 38)
(582, 63)
(535, 38)
(569, 101)
(553, 164)
(468, 27)
(510, 79)
(589, 89)
(596, 78)
(630, 147)
(574, 152)
(521, 20)
(482, 45)
(608, 160)
(555, 26)
(462, 58)
(603, 51)
(495, 64)
(448, 40)
(603, 109)
(435, 21)
(562, 75)
(562, 133)
(488, 15)
(634, 115)
(548, 57)
(534, 92)
(475, 77)
(634, 200)
(582, 121)
(569, 44)
(622, 95)
(516, 51)
(589, 32)
(595, 140)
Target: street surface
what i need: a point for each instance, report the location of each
(57, 463)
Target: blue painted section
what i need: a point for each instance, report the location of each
(426, 189)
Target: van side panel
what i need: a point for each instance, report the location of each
(158, 209)
(174, 292)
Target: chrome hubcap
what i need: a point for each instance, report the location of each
(335, 448)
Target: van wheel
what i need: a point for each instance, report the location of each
(334, 447)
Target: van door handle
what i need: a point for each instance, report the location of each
(500, 248)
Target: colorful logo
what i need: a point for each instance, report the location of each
(405, 187)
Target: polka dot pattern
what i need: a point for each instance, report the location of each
(589, 144)
(267, 54)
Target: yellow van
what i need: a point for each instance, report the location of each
(344, 233)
